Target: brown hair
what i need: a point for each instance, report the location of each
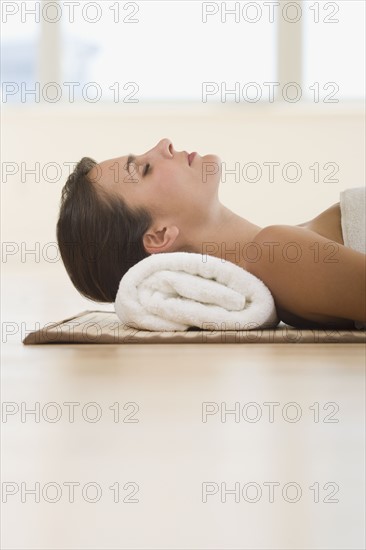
(99, 237)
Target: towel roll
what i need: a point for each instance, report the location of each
(180, 290)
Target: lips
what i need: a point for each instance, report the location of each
(191, 157)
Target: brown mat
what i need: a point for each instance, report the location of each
(102, 327)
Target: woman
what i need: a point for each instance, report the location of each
(115, 213)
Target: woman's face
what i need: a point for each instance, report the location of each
(164, 182)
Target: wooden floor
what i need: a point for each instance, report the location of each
(175, 446)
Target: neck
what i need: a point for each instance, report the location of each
(226, 235)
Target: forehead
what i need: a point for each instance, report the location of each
(109, 171)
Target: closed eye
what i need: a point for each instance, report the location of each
(147, 169)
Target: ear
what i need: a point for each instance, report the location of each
(162, 240)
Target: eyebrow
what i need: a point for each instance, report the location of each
(131, 159)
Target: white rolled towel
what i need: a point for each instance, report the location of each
(178, 290)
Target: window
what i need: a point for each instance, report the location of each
(169, 52)
(334, 49)
(131, 52)
(19, 54)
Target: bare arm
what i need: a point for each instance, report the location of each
(311, 276)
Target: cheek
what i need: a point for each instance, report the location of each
(168, 187)
(169, 178)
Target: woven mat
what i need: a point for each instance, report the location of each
(102, 327)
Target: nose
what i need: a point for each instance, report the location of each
(165, 146)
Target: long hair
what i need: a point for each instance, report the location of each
(99, 237)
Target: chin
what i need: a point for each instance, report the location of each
(211, 170)
(213, 159)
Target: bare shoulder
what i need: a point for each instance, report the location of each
(311, 277)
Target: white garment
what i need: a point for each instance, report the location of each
(353, 218)
(353, 221)
(179, 290)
